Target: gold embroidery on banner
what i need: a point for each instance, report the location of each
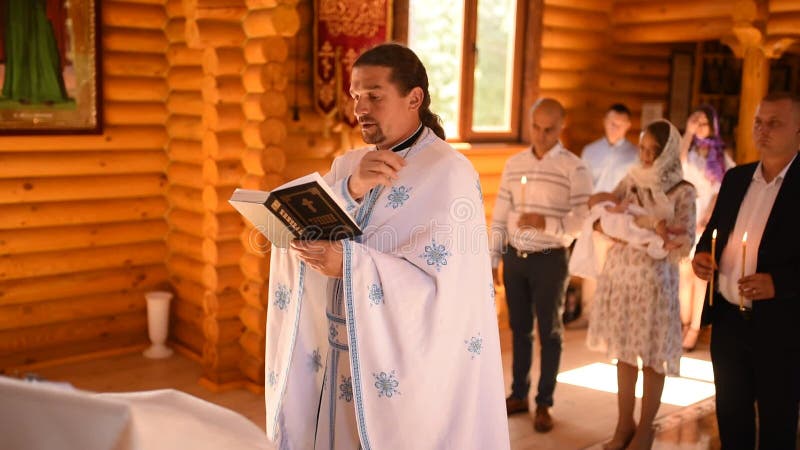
(353, 17)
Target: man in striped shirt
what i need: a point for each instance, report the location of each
(539, 209)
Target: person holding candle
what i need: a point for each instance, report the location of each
(532, 226)
(636, 312)
(755, 340)
(704, 160)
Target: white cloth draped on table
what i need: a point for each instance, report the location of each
(416, 329)
(43, 416)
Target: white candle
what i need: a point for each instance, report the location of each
(744, 264)
(523, 181)
(713, 263)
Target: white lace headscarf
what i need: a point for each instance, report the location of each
(658, 179)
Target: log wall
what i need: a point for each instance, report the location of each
(584, 68)
(82, 217)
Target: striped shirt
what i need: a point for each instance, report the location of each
(558, 187)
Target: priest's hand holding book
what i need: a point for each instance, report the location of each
(323, 256)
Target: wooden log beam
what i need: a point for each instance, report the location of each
(587, 5)
(682, 31)
(223, 117)
(134, 64)
(135, 113)
(254, 293)
(253, 343)
(185, 150)
(251, 161)
(179, 54)
(221, 61)
(253, 369)
(222, 173)
(254, 319)
(185, 127)
(48, 239)
(185, 198)
(225, 89)
(186, 103)
(558, 38)
(269, 132)
(226, 145)
(131, 15)
(220, 360)
(221, 253)
(787, 24)
(190, 337)
(254, 267)
(189, 291)
(268, 77)
(778, 6)
(176, 30)
(267, 49)
(107, 345)
(225, 305)
(53, 164)
(18, 216)
(80, 260)
(132, 39)
(31, 290)
(215, 199)
(576, 19)
(641, 12)
(223, 226)
(283, 20)
(54, 189)
(71, 309)
(186, 268)
(134, 89)
(221, 279)
(186, 175)
(253, 242)
(185, 244)
(203, 33)
(222, 331)
(185, 78)
(186, 222)
(552, 80)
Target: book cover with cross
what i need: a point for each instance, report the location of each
(305, 208)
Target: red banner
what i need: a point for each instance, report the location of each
(343, 29)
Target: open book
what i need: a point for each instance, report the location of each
(305, 208)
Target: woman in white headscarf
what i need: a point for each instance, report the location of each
(637, 314)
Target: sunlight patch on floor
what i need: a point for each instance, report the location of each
(694, 384)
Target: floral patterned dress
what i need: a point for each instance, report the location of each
(636, 313)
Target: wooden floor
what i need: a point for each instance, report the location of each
(583, 417)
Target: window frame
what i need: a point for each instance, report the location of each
(469, 56)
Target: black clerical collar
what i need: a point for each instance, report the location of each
(408, 142)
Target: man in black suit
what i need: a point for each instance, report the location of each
(755, 339)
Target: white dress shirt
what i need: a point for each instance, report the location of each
(609, 163)
(558, 187)
(753, 214)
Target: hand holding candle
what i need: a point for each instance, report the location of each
(713, 265)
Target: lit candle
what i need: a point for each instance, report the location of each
(713, 263)
(523, 182)
(744, 264)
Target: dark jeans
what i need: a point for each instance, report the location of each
(535, 287)
(750, 379)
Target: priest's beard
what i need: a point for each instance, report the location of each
(372, 134)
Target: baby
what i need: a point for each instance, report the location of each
(633, 224)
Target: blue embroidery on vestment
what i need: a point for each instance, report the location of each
(282, 296)
(480, 190)
(316, 360)
(375, 294)
(398, 196)
(272, 378)
(474, 345)
(435, 255)
(346, 389)
(386, 384)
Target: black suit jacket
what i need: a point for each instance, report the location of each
(778, 253)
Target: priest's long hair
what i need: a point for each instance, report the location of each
(408, 72)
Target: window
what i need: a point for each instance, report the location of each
(473, 54)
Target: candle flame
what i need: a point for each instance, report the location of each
(744, 238)
(524, 179)
(714, 234)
